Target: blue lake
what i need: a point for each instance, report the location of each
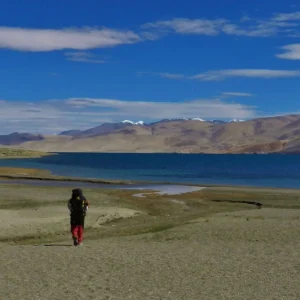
(274, 170)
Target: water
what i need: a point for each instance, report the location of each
(274, 170)
(160, 189)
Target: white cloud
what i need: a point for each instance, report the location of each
(54, 116)
(292, 52)
(251, 73)
(83, 57)
(40, 117)
(189, 26)
(84, 38)
(25, 39)
(159, 110)
(284, 24)
(261, 30)
(237, 94)
(229, 73)
(287, 17)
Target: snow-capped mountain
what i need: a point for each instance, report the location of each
(218, 136)
(133, 123)
(217, 121)
(107, 128)
(177, 119)
(236, 120)
(187, 119)
(198, 119)
(181, 119)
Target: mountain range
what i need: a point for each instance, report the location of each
(106, 128)
(261, 135)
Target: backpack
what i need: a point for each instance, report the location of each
(77, 202)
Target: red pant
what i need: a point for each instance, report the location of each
(77, 232)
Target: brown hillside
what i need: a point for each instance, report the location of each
(274, 134)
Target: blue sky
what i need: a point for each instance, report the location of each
(76, 64)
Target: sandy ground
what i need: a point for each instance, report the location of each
(54, 219)
(252, 254)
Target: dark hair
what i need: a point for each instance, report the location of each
(77, 192)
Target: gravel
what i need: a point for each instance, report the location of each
(227, 256)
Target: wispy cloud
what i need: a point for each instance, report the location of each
(84, 38)
(230, 73)
(237, 94)
(171, 75)
(163, 75)
(189, 26)
(31, 110)
(83, 57)
(287, 17)
(53, 116)
(46, 117)
(29, 39)
(250, 73)
(258, 30)
(283, 24)
(291, 52)
(214, 108)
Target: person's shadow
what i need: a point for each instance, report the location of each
(58, 245)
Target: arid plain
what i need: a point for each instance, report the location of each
(216, 243)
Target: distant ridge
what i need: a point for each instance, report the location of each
(17, 138)
(280, 134)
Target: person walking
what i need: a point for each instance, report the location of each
(78, 207)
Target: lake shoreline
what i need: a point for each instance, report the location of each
(190, 170)
(128, 183)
